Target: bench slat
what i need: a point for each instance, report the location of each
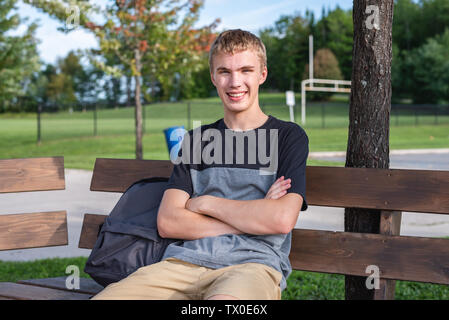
(383, 189)
(34, 174)
(33, 230)
(398, 257)
(116, 175)
(90, 229)
(87, 285)
(29, 292)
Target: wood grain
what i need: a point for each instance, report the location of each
(390, 224)
(33, 230)
(90, 229)
(116, 175)
(34, 174)
(87, 285)
(384, 189)
(18, 291)
(398, 257)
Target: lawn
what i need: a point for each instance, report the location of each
(300, 285)
(72, 134)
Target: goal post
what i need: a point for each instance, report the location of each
(309, 85)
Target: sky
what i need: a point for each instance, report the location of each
(251, 15)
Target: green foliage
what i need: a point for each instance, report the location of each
(325, 66)
(429, 68)
(287, 51)
(417, 72)
(149, 40)
(198, 84)
(13, 271)
(18, 57)
(335, 31)
(174, 54)
(300, 285)
(287, 44)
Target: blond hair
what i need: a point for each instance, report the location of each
(237, 40)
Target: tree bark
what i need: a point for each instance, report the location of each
(369, 112)
(138, 113)
(128, 90)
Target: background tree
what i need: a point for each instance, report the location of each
(140, 33)
(429, 68)
(325, 66)
(369, 114)
(414, 24)
(287, 46)
(18, 57)
(335, 31)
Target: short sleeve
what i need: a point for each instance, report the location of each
(180, 177)
(293, 153)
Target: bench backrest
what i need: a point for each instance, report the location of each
(38, 229)
(389, 190)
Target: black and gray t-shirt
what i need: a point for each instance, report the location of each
(240, 166)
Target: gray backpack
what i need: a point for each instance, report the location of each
(128, 239)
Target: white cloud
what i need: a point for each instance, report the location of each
(57, 44)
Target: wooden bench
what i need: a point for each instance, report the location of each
(397, 257)
(38, 229)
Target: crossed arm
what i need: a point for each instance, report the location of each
(206, 216)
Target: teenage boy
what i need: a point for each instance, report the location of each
(233, 207)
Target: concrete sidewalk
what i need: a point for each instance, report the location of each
(424, 159)
(77, 200)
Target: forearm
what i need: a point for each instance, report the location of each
(184, 224)
(261, 216)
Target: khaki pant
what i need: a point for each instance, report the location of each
(179, 280)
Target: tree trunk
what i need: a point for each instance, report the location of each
(128, 90)
(138, 113)
(369, 112)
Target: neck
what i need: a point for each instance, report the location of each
(245, 120)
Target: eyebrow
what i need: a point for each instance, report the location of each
(244, 67)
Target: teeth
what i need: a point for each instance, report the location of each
(236, 94)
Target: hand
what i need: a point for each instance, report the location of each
(278, 188)
(195, 204)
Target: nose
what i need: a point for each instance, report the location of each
(236, 80)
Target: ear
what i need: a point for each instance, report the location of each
(212, 78)
(263, 75)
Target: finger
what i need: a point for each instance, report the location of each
(282, 186)
(276, 184)
(278, 195)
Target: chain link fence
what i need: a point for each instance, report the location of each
(101, 120)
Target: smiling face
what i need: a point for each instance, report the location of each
(237, 78)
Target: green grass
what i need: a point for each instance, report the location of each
(12, 271)
(71, 135)
(300, 285)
